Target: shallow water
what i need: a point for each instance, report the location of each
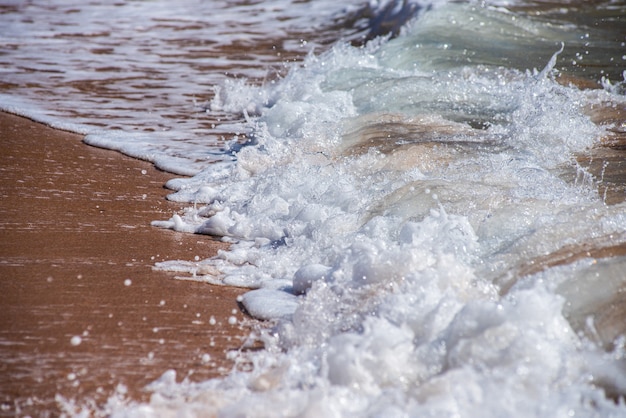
(432, 224)
(149, 69)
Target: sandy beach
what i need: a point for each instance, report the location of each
(83, 313)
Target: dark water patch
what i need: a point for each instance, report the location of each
(370, 21)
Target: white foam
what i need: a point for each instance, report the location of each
(269, 304)
(369, 194)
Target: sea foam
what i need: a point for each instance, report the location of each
(385, 210)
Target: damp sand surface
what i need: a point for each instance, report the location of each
(84, 315)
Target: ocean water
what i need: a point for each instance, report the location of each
(409, 211)
(137, 76)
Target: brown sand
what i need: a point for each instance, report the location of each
(75, 225)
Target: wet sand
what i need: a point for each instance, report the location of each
(83, 313)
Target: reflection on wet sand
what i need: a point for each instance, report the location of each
(83, 313)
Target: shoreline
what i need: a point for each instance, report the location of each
(85, 315)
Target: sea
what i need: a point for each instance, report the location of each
(425, 199)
